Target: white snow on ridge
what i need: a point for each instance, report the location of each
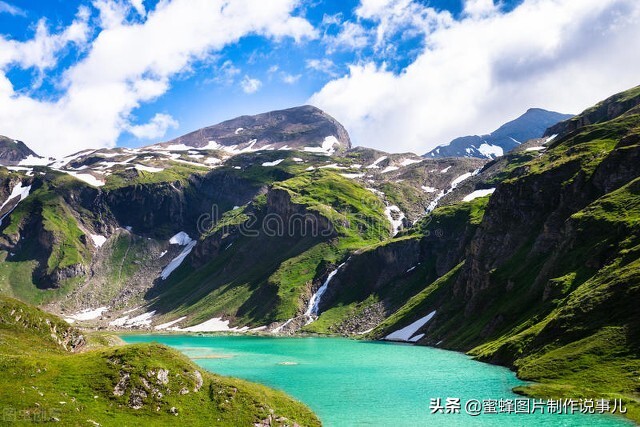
(390, 169)
(445, 170)
(238, 130)
(406, 333)
(273, 163)
(538, 148)
(374, 165)
(98, 240)
(181, 239)
(461, 178)
(327, 146)
(491, 151)
(551, 138)
(17, 191)
(478, 193)
(88, 314)
(85, 177)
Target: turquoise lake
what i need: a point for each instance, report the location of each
(357, 383)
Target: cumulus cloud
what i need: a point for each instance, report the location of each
(250, 85)
(42, 50)
(129, 62)
(155, 128)
(477, 72)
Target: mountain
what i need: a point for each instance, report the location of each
(305, 128)
(529, 260)
(530, 125)
(543, 276)
(13, 151)
(98, 228)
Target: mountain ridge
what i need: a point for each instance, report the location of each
(530, 125)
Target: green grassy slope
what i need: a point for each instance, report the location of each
(551, 282)
(131, 385)
(262, 277)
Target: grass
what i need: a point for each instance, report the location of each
(44, 382)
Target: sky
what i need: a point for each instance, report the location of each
(401, 75)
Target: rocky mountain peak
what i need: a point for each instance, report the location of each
(13, 151)
(304, 128)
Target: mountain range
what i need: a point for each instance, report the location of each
(275, 224)
(532, 124)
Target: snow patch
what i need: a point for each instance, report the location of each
(17, 191)
(445, 170)
(98, 240)
(396, 223)
(135, 322)
(407, 332)
(273, 163)
(88, 314)
(538, 148)
(148, 168)
(168, 324)
(429, 189)
(478, 193)
(177, 261)
(551, 138)
(85, 177)
(491, 151)
(238, 130)
(374, 165)
(181, 239)
(407, 162)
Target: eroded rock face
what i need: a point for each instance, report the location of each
(296, 128)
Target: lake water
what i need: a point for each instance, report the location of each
(356, 383)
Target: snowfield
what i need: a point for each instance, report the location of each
(406, 333)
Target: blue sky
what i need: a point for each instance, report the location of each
(402, 75)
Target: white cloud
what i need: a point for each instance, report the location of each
(11, 9)
(489, 67)
(224, 74)
(351, 36)
(129, 63)
(290, 78)
(399, 16)
(479, 8)
(155, 128)
(41, 51)
(250, 85)
(323, 65)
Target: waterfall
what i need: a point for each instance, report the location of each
(314, 301)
